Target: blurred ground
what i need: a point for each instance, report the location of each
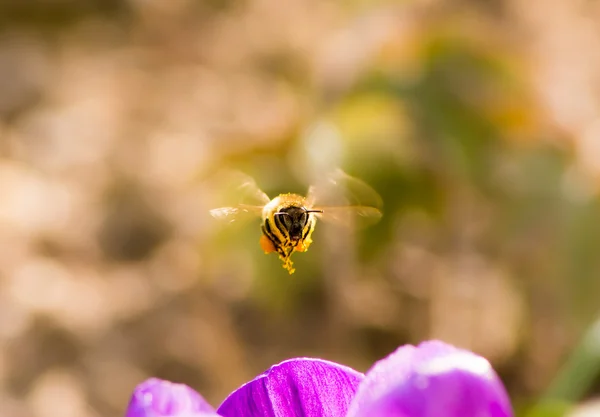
(478, 122)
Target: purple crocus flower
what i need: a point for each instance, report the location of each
(295, 388)
(159, 398)
(433, 379)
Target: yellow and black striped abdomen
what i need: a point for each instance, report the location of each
(287, 226)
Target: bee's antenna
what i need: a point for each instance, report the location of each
(314, 211)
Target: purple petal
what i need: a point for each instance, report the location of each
(295, 388)
(197, 414)
(158, 398)
(431, 380)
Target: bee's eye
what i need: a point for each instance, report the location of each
(285, 218)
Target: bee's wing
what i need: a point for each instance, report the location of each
(353, 216)
(247, 191)
(247, 197)
(345, 200)
(238, 213)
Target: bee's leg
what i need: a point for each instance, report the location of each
(290, 268)
(266, 244)
(289, 265)
(285, 254)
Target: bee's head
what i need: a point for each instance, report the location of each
(294, 220)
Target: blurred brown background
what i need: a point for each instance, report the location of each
(478, 122)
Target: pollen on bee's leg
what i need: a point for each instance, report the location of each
(266, 244)
(303, 245)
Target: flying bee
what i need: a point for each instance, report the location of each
(289, 220)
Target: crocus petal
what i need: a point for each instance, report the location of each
(198, 414)
(158, 398)
(431, 380)
(295, 388)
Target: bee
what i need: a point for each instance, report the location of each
(288, 220)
